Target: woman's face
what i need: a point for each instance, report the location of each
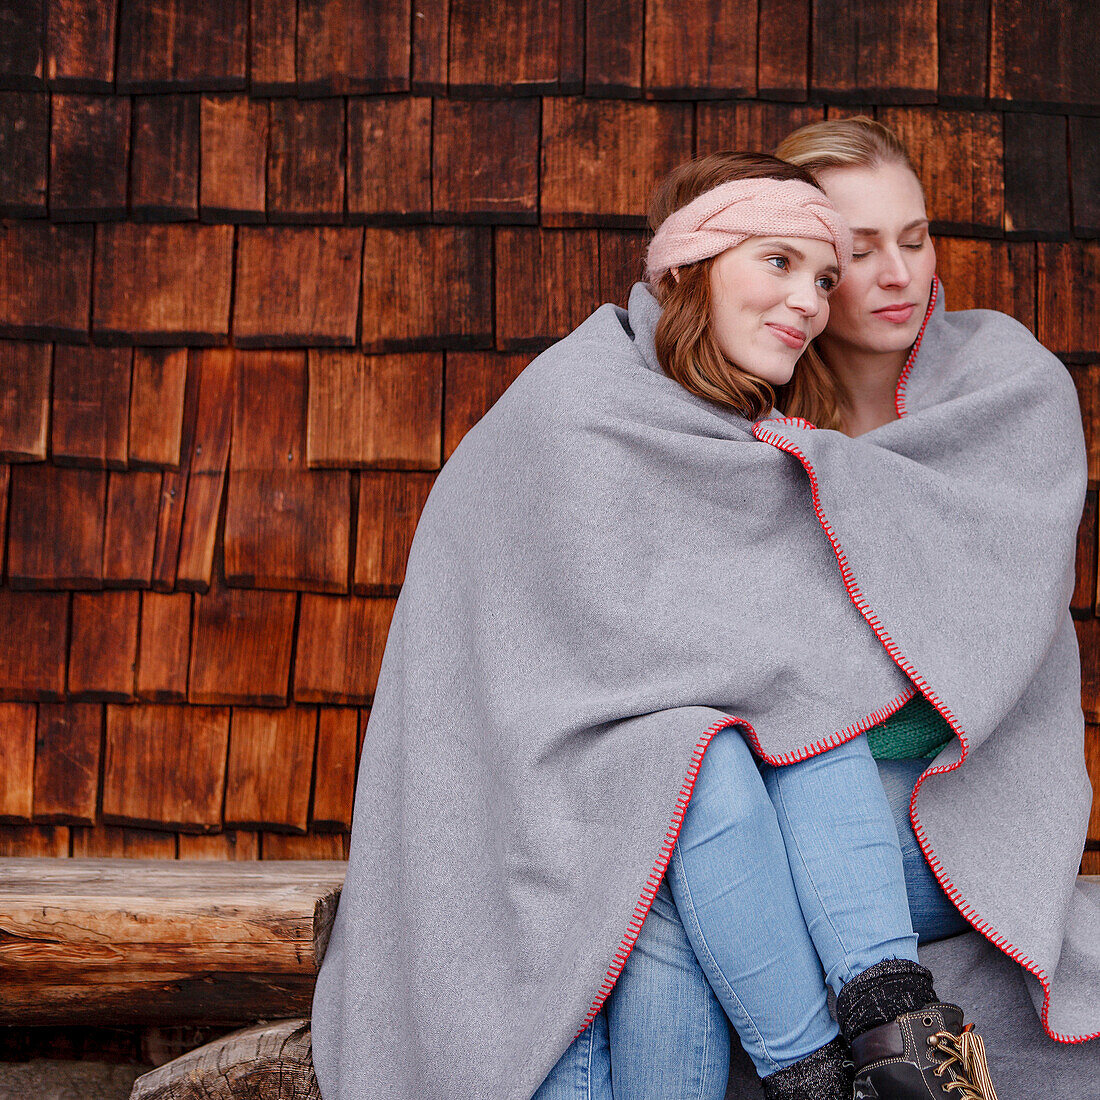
(880, 306)
(769, 299)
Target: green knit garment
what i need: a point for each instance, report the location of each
(916, 729)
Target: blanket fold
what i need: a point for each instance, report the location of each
(607, 573)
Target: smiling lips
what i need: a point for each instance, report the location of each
(792, 337)
(897, 314)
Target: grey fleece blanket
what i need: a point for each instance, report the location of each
(607, 571)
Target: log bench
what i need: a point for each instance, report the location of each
(127, 941)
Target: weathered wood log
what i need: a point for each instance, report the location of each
(157, 941)
(266, 1062)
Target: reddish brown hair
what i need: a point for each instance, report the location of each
(687, 348)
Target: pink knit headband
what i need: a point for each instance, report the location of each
(732, 212)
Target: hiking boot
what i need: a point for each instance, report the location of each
(826, 1074)
(926, 1054)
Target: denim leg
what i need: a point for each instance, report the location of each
(583, 1072)
(732, 885)
(669, 1036)
(934, 916)
(845, 858)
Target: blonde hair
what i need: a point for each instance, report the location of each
(858, 142)
(684, 340)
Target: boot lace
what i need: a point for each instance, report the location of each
(964, 1056)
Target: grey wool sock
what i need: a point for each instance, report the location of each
(882, 993)
(826, 1074)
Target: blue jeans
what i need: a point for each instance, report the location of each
(663, 1030)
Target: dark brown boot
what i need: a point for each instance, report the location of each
(826, 1074)
(926, 1054)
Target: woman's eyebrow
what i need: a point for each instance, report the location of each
(776, 243)
(915, 223)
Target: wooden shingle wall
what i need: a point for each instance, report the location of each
(262, 264)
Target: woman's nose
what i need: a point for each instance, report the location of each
(805, 297)
(894, 271)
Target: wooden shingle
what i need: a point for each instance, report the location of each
(130, 529)
(163, 284)
(285, 526)
(182, 45)
(340, 644)
(334, 774)
(427, 288)
(164, 164)
(374, 410)
(622, 263)
(571, 18)
(1088, 639)
(297, 286)
(485, 161)
(216, 372)
(270, 768)
(103, 650)
(21, 61)
(233, 140)
(430, 42)
(1084, 592)
(17, 760)
(472, 383)
(91, 407)
(1070, 273)
(89, 147)
(389, 163)
(963, 48)
(240, 646)
(165, 646)
(1036, 177)
(80, 44)
(5, 493)
(113, 842)
(45, 281)
(879, 53)
(988, 275)
(958, 157)
(230, 844)
(784, 49)
(66, 770)
(600, 159)
(1087, 380)
(33, 629)
(513, 49)
(34, 840)
(165, 766)
(24, 401)
(1042, 58)
(173, 495)
(24, 154)
(1084, 159)
(309, 846)
(546, 284)
(710, 56)
(389, 507)
(157, 387)
(56, 527)
(613, 48)
(758, 127)
(353, 48)
(272, 31)
(305, 161)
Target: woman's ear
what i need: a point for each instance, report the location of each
(675, 273)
